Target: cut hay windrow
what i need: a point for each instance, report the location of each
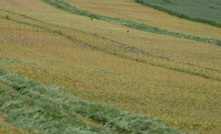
(65, 6)
(48, 109)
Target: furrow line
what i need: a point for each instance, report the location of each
(62, 5)
(145, 61)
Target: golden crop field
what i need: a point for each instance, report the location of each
(130, 10)
(172, 79)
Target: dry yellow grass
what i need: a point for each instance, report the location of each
(7, 128)
(157, 45)
(130, 10)
(1, 119)
(190, 102)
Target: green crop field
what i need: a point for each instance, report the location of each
(107, 66)
(198, 10)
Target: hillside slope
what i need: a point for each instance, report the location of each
(101, 55)
(196, 10)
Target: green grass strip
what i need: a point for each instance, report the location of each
(7, 60)
(62, 5)
(212, 23)
(48, 109)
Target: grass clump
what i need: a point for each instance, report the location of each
(7, 17)
(49, 110)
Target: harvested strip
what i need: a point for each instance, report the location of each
(49, 110)
(62, 5)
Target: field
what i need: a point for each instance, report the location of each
(196, 10)
(106, 66)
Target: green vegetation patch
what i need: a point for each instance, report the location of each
(62, 5)
(48, 109)
(203, 11)
(7, 60)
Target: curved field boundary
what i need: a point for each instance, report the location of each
(62, 5)
(48, 109)
(212, 23)
(130, 53)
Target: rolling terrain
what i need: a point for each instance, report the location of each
(106, 66)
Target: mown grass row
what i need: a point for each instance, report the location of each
(47, 109)
(114, 48)
(3, 61)
(62, 5)
(212, 23)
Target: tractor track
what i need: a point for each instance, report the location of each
(115, 43)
